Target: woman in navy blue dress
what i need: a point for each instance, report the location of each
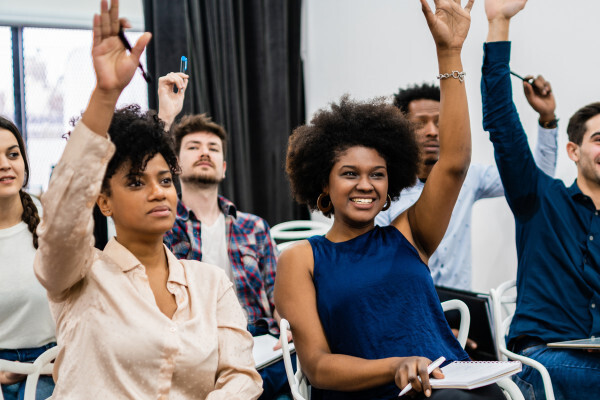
(364, 313)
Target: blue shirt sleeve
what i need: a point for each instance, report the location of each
(513, 156)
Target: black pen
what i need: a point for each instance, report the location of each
(125, 42)
(530, 80)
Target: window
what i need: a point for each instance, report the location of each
(58, 80)
(7, 98)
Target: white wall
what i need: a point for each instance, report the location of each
(370, 48)
(64, 13)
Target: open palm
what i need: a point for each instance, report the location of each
(113, 65)
(450, 23)
(503, 8)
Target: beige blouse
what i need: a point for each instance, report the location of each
(114, 341)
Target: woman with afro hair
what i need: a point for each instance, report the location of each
(360, 300)
(133, 322)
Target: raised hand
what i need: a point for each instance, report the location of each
(114, 67)
(540, 97)
(505, 9)
(449, 24)
(170, 103)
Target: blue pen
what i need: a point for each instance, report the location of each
(430, 369)
(184, 65)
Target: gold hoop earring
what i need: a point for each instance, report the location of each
(320, 206)
(388, 203)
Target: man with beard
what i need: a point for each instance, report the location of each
(557, 229)
(208, 226)
(450, 265)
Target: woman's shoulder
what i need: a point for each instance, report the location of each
(206, 279)
(298, 247)
(296, 255)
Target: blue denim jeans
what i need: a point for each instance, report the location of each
(575, 374)
(275, 383)
(16, 391)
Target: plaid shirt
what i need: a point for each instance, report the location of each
(252, 254)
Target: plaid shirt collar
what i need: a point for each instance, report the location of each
(226, 206)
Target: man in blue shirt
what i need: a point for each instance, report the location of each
(557, 229)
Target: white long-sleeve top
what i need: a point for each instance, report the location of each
(25, 319)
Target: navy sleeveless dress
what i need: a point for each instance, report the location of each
(376, 299)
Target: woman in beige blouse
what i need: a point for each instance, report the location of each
(133, 322)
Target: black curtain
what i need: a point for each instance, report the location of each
(246, 72)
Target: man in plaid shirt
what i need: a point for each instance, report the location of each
(249, 248)
(209, 228)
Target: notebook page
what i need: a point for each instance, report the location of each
(472, 374)
(263, 350)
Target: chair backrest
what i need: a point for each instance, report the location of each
(296, 230)
(299, 384)
(504, 299)
(42, 366)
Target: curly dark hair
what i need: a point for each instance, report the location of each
(423, 91)
(138, 136)
(313, 149)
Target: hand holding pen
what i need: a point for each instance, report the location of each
(123, 38)
(418, 382)
(540, 97)
(170, 103)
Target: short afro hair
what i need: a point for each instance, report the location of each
(313, 149)
(424, 91)
(138, 136)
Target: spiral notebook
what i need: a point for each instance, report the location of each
(474, 374)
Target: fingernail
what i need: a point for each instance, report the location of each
(428, 392)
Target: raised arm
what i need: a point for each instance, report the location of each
(427, 220)
(515, 162)
(540, 97)
(170, 103)
(66, 231)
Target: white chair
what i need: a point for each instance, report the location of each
(291, 231)
(42, 366)
(299, 384)
(503, 311)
